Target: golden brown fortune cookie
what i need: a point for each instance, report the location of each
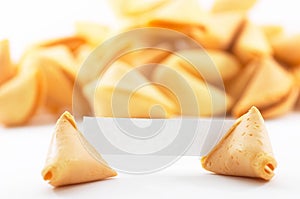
(251, 43)
(245, 150)
(71, 159)
(58, 67)
(124, 92)
(287, 48)
(62, 55)
(214, 66)
(236, 86)
(196, 97)
(215, 31)
(20, 97)
(6, 67)
(219, 30)
(98, 61)
(264, 91)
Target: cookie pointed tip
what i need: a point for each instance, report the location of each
(69, 117)
(66, 114)
(254, 109)
(114, 173)
(255, 112)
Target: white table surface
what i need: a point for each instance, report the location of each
(23, 152)
(23, 149)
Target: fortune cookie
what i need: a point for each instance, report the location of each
(196, 97)
(212, 65)
(264, 91)
(251, 43)
(100, 58)
(6, 67)
(287, 48)
(123, 92)
(245, 150)
(61, 55)
(71, 159)
(219, 30)
(58, 67)
(20, 97)
(213, 31)
(236, 86)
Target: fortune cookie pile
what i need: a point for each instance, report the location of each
(258, 66)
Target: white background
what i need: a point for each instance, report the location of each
(23, 150)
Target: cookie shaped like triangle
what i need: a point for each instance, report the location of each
(71, 159)
(270, 86)
(245, 150)
(252, 44)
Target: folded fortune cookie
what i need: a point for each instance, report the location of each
(245, 150)
(71, 159)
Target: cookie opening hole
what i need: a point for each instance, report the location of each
(48, 175)
(269, 168)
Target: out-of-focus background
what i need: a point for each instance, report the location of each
(33, 22)
(25, 22)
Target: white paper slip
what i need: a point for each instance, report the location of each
(145, 145)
